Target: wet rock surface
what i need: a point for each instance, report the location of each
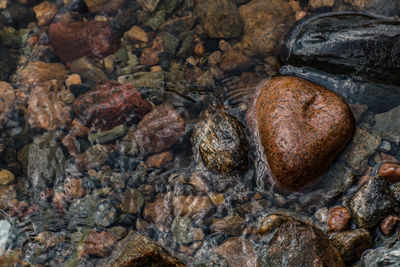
(220, 142)
(296, 243)
(371, 203)
(352, 243)
(302, 126)
(7, 101)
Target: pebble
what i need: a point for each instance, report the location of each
(315, 4)
(6, 177)
(91, 158)
(73, 79)
(339, 219)
(107, 136)
(391, 172)
(352, 243)
(99, 244)
(149, 57)
(105, 215)
(189, 205)
(136, 34)
(7, 96)
(233, 61)
(159, 212)
(232, 225)
(389, 224)
(237, 251)
(159, 160)
(371, 203)
(44, 12)
(132, 201)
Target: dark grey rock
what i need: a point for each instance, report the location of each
(105, 215)
(382, 256)
(352, 243)
(81, 212)
(371, 203)
(387, 125)
(220, 143)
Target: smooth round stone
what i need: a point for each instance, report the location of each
(303, 127)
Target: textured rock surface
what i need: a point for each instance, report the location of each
(94, 39)
(158, 130)
(219, 18)
(111, 104)
(36, 72)
(237, 251)
(371, 203)
(299, 244)
(220, 142)
(7, 99)
(339, 219)
(265, 25)
(382, 256)
(44, 12)
(303, 128)
(351, 244)
(138, 250)
(387, 125)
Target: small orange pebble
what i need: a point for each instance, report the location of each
(199, 49)
(339, 219)
(391, 171)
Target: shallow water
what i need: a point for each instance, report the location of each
(93, 198)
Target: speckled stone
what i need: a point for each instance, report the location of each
(352, 243)
(303, 128)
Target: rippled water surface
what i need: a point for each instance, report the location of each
(119, 116)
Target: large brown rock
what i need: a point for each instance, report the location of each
(298, 244)
(265, 25)
(7, 99)
(94, 39)
(138, 250)
(303, 127)
(111, 104)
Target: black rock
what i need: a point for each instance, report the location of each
(360, 45)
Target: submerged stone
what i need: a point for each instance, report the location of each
(303, 128)
(352, 243)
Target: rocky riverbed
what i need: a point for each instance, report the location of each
(199, 133)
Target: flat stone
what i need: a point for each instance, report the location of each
(315, 4)
(106, 136)
(36, 72)
(303, 128)
(387, 125)
(159, 160)
(136, 34)
(6, 177)
(189, 205)
(233, 225)
(44, 12)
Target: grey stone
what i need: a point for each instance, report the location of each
(43, 159)
(170, 42)
(387, 125)
(360, 149)
(106, 136)
(149, 5)
(105, 215)
(371, 203)
(382, 256)
(385, 146)
(182, 229)
(157, 20)
(81, 212)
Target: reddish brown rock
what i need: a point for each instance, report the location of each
(94, 39)
(238, 251)
(7, 100)
(106, 6)
(79, 129)
(199, 49)
(233, 61)
(303, 127)
(339, 219)
(110, 105)
(158, 130)
(93, 157)
(149, 57)
(73, 188)
(44, 12)
(159, 212)
(299, 244)
(159, 160)
(69, 141)
(36, 72)
(98, 244)
(50, 239)
(391, 171)
(189, 205)
(45, 109)
(389, 224)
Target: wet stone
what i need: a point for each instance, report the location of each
(110, 135)
(99, 244)
(235, 62)
(219, 141)
(387, 125)
(91, 158)
(371, 203)
(219, 18)
(232, 225)
(237, 251)
(352, 243)
(78, 39)
(315, 4)
(389, 224)
(105, 215)
(159, 160)
(298, 154)
(6, 177)
(81, 212)
(132, 201)
(339, 219)
(299, 244)
(138, 250)
(263, 33)
(149, 5)
(189, 205)
(391, 172)
(159, 211)
(136, 34)
(123, 162)
(44, 12)
(386, 255)
(127, 106)
(182, 230)
(7, 194)
(43, 159)
(7, 99)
